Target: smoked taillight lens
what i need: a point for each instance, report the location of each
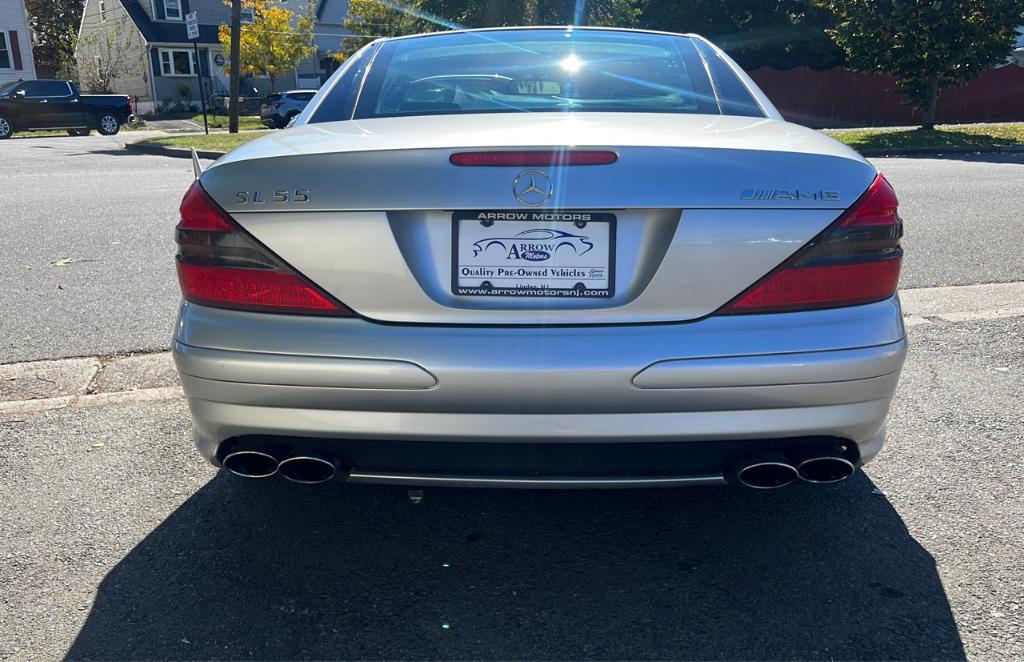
(855, 260)
(221, 265)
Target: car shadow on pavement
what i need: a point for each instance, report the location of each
(270, 570)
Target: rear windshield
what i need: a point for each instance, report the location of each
(538, 71)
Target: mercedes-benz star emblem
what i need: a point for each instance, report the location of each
(532, 187)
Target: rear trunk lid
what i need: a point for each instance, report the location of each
(693, 211)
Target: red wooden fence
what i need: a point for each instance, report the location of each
(840, 97)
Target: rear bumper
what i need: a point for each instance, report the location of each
(826, 374)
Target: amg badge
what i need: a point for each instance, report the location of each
(788, 194)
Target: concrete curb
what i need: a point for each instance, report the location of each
(12, 412)
(57, 380)
(938, 151)
(175, 152)
(37, 386)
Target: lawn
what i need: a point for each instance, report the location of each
(215, 142)
(245, 122)
(217, 122)
(980, 136)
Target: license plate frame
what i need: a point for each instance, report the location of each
(500, 229)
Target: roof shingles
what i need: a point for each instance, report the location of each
(164, 32)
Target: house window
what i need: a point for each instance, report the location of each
(103, 10)
(177, 62)
(172, 10)
(5, 52)
(248, 16)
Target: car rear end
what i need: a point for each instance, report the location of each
(418, 294)
(278, 109)
(268, 110)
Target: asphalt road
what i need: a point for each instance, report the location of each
(117, 541)
(112, 213)
(123, 544)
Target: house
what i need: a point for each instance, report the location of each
(139, 48)
(15, 42)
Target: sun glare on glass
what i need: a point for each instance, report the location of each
(572, 64)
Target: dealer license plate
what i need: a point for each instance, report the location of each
(533, 253)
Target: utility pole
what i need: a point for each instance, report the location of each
(192, 26)
(236, 63)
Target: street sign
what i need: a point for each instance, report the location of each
(192, 25)
(192, 28)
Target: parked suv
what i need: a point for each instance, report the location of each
(278, 109)
(38, 105)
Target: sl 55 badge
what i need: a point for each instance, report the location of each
(257, 198)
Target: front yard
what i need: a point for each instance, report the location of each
(873, 141)
(216, 122)
(215, 142)
(980, 136)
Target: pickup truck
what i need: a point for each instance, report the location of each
(37, 105)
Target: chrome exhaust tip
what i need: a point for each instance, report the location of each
(250, 464)
(308, 469)
(825, 470)
(767, 474)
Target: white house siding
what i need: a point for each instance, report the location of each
(14, 18)
(127, 42)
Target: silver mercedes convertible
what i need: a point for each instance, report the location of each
(540, 257)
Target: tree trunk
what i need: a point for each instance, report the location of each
(236, 64)
(493, 13)
(933, 102)
(531, 11)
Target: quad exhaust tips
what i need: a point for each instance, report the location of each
(824, 470)
(773, 470)
(303, 467)
(308, 469)
(250, 464)
(767, 472)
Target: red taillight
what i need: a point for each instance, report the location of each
(534, 158)
(221, 265)
(251, 289)
(878, 206)
(855, 260)
(199, 212)
(820, 287)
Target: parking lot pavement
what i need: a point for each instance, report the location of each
(125, 544)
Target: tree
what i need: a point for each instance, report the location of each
(777, 33)
(275, 42)
(55, 24)
(773, 33)
(927, 45)
(369, 19)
